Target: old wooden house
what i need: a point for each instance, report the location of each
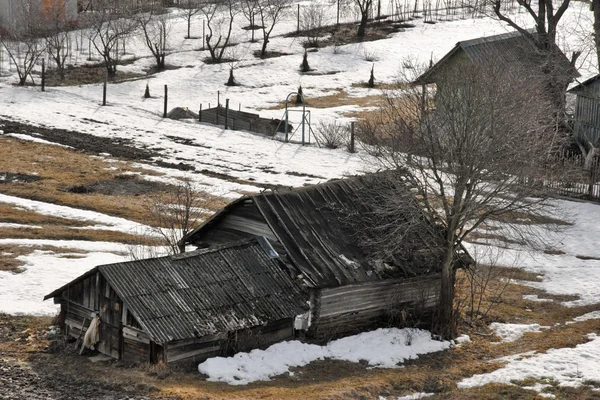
(586, 127)
(510, 52)
(349, 290)
(186, 308)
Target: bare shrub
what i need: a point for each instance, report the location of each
(331, 134)
(313, 19)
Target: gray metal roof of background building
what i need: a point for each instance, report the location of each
(225, 288)
(511, 50)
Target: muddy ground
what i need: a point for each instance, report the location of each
(33, 367)
(94, 144)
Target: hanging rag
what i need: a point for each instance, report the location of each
(92, 335)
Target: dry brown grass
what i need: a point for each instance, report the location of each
(52, 232)
(337, 98)
(61, 169)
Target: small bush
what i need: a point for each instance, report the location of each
(331, 134)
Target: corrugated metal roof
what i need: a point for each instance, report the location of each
(311, 224)
(226, 288)
(511, 50)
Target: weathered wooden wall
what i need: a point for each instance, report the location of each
(93, 294)
(243, 222)
(261, 337)
(351, 309)
(195, 350)
(239, 120)
(587, 113)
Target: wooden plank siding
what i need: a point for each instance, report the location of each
(350, 309)
(78, 303)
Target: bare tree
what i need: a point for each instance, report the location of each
(109, 25)
(270, 13)
(57, 34)
(472, 158)
(314, 18)
(155, 26)
(176, 213)
(190, 8)
(249, 9)
(219, 21)
(364, 7)
(23, 45)
(546, 18)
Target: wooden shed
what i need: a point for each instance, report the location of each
(186, 308)
(349, 291)
(512, 52)
(587, 110)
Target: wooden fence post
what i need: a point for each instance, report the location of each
(104, 88)
(352, 137)
(226, 113)
(200, 113)
(298, 26)
(166, 101)
(43, 75)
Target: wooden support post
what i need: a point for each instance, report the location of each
(352, 137)
(337, 24)
(203, 33)
(166, 102)
(200, 113)
(79, 338)
(43, 75)
(104, 88)
(226, 113)
(298, 26)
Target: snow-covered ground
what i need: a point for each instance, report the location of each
(380, 348)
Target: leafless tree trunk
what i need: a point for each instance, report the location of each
(364, 6)
(546, 18)
(23, 46)
(249, 10)
(270, 12)
(219, 21)
(190, 8)
(155, 26)
(470, 159)
(57, 34)
(110, 25)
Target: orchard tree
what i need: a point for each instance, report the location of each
(219, 21)
(271, 12)
(156, 27)
(110, 24)
(190, 8)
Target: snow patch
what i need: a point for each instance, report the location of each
(384, 348)
(568, 367)
(513, 332)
